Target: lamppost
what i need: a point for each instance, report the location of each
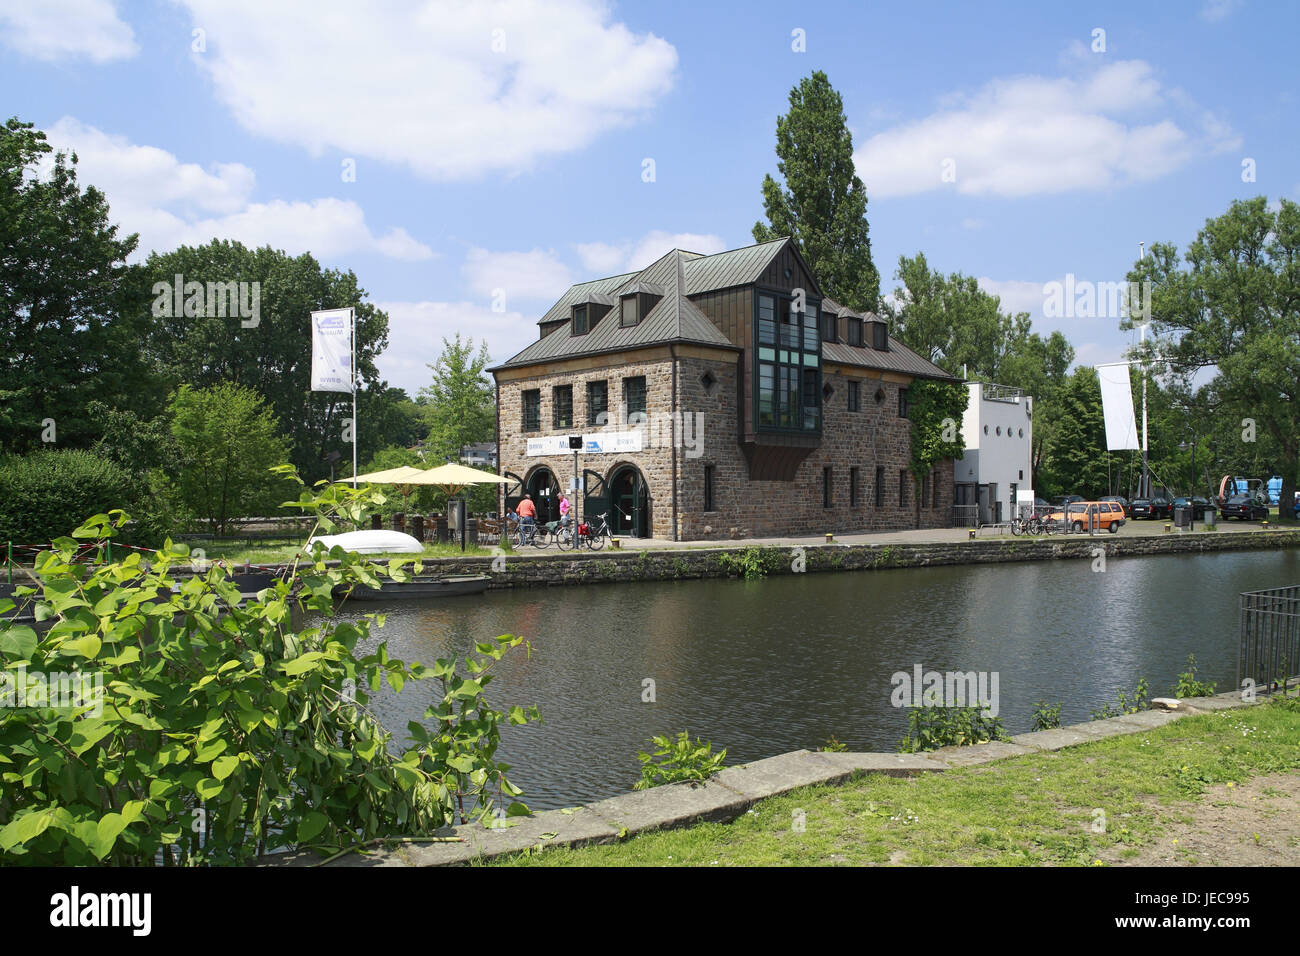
(1191, 485)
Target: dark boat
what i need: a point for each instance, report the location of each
(418, 588)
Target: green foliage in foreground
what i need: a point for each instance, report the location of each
(1027, 811)
(1189, 686)
(676, 759)
(1047, 716)
(929, 728)
(214, 731)
(1124, 704)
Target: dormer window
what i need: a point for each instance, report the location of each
(879, 337)
(855, 332)
(581, 320)
(830, 332)
(629, 315)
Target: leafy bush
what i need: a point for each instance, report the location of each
(1189, 686)
(834, 746)
(1124, 705)
(47, 494)
(676, 759)
(1047, 716)
(217, 731)
(929, 728)
(753, 563)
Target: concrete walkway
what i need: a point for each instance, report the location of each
(732, 791)
(1131, 529)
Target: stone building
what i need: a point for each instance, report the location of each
(719, 396)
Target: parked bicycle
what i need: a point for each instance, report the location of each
(596, 532)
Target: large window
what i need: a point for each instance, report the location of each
(597, 403)
(634, 399)
(902, 403)
(532, 399)
(855, 396)
(562, 406)
(788, 365)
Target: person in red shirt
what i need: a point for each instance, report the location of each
(527, 512)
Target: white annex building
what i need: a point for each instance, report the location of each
(995, 471)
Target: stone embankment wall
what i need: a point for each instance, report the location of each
(682, 563)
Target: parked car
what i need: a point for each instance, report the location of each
(1157, 507)
(1060, 501)
(1123, 503)
(1245, 508)
(1078, 515)
(1198, 505)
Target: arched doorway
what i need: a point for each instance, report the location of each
(629, 499)
(541, 484)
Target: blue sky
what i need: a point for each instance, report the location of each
(499, 148)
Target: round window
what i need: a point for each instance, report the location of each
(986, 429)
(999, 430)
(1022, 433)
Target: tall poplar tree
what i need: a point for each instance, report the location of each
(822, 204)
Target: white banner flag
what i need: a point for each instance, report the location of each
(331, 351)
(1117, 407)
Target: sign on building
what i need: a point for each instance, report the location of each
(601, 443)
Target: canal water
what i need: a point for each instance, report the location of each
(765, 667)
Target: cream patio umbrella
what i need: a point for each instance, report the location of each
(453, 478)
(403, 477)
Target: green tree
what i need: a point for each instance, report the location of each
(228, 439)
(954, 323)
(460, 402)
(823, 205)
(270, 352)
(1232, 306)
(935, 409)
(1077, 463)
(68, 333)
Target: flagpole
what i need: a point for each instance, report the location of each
(352, 313)
(1146, 477)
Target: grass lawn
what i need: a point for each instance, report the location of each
(237, 552)
(1033, 810)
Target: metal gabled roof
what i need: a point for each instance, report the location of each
(581, 292)
(732, 268)
(674, 318)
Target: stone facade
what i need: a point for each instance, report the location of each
(707, 391)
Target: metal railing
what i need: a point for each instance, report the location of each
(965, 516)
(1270, 636)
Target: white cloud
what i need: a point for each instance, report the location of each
(534, 275)
(1034, 135)
(416, 331)
(1215, 10)
(422, 85)
(170, 202)
(1016, 295)
(606, 259)
(66, 29)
